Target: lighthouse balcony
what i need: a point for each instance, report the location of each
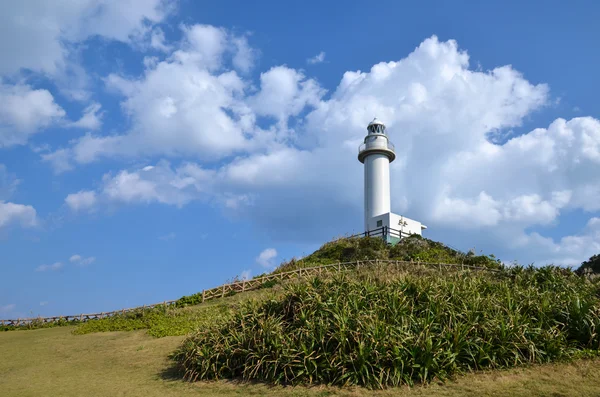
(382, 146)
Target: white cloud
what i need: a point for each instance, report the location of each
(81, 201)
(87, 261)
(91, 119)
(189, 105)
(569, 250)
(11, 213)
(244, 55)
(284, 93)
(158, 42)
(7, 308)
(43, 303)
(24, 112)
(267, 258)
(79, 260)
(8, 183)
(53, 267)
(150, 184)
(319, 58)
(47, 30)
(59, 159)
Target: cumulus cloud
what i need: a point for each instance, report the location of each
(53, 267)
(24, 112)
(458, 169)
(285, 92)
(244, 55)
(81, 201)
(158, 42)
(191, 105)
(319, 58)
(11, 213)
(160, 183)
(267, 258)
(47, 29)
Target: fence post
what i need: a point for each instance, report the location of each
(203, 294)
(243, 285)
(223, 292)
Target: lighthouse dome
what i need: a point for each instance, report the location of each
(376, 127)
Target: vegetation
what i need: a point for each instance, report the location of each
(160, 321)
(164, 321)
(592, 265)
(39, 323)
(383, 329)
(53, 362)
(413, 248)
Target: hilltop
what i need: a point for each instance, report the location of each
(413, 248)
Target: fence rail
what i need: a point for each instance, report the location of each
(248, 285)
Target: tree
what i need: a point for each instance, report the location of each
(593, 264)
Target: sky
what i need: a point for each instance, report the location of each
(151, 149)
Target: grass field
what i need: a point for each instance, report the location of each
(54, 362)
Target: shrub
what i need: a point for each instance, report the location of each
(592, 265)
(379, 331)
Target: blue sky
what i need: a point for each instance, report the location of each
(151, 149)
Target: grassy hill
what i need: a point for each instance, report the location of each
(377, 327)
(384, 328)
(413, 248)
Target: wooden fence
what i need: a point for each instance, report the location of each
(249, 285)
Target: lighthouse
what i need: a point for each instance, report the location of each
(376, 153)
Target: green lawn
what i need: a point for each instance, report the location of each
(53, 362)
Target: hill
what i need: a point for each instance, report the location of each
(413, 248)
(379, 328)
(384, 325)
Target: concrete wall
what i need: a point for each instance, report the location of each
(393, 221)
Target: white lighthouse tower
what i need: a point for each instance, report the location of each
(376, 153)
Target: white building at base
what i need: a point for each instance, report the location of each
(376, 153)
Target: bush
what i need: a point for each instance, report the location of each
(592, 265)
(399, 329)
